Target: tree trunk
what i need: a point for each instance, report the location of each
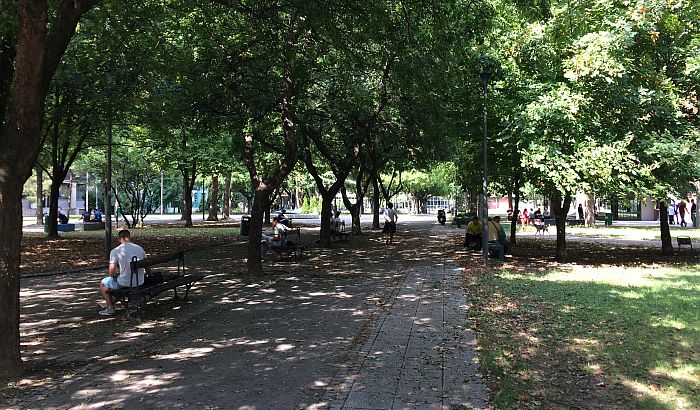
(375, 203)
(354, 211)
(510, 200)
(53, 207)
(590, 211)
(326, 213)
(188, 179)
(28, 74)
(40, 196)
(214, 199)
(666, 241)
(261, 202)
(560, 209)
(516, 209)
(226, 211)
(11, 233)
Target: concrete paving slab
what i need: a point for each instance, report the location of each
(438, 368)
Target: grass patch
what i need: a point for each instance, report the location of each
(638, 233)
(591, 337)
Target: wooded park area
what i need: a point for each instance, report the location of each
(593, 97)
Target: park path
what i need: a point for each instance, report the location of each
(309, 335)
(420, 353)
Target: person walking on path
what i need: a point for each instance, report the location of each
(693, 212)
(682, 207)
(390, 218)
(672, 213)
(120, 270)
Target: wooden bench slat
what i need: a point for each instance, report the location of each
(157, 260)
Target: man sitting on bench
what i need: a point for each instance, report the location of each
(472, 239)
(275, 240)
(120, 270)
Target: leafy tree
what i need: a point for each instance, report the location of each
(31, 47)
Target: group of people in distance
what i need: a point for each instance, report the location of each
(91, 215)
(497, 234)
(526, 217)
(677, 211)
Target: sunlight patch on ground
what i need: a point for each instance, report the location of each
(187, 353)
(666, 396)
(614, 275)
(684, 373)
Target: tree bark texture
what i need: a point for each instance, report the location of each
(40, 195)
(375, 202)
(38, 53)
(226, 210)
(188, 179)
(560, 208)
(666, 241)
(590, 211)
(515, 208)
(261, 202)
(214, 199)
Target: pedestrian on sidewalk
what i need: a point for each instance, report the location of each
(681, 208)
(390, 218)
(672, 212)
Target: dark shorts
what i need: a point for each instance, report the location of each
(389, 227)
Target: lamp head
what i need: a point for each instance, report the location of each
(486, 69)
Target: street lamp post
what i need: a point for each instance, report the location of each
(485, 77)
(108, 176)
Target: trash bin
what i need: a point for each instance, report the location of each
(245, 225)
(608, 219)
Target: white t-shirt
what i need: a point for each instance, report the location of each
(672, 209)
(121, 255)
(389, 215)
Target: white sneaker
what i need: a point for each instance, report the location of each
(107, 312)
(103, 305)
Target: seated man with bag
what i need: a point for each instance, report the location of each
(120, 270)
(472, 239)
(500, 236)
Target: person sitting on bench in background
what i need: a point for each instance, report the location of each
(494, 231)
(335, 221)
(501, 234)
(473, 235)
(282, 218)
(86, 216)
(120, 270)
(62, 219)
(98, 216)
(278, 231)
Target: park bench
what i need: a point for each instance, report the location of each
(684, 240)
(93, 226)
(289, 249)
(65, 227)
(575, 222)
(140, 295)
(299, 217)
(339, 232)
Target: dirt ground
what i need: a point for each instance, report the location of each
(337, 291)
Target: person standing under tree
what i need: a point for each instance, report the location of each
(390, 218)
(672, 212)
(580, 211)
(682, 207)
(693, 212)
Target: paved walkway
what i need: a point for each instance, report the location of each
(420, 353)
(372, 333)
